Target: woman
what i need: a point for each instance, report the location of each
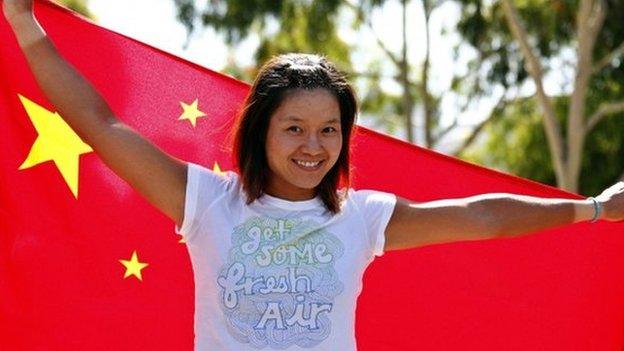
(278, 251)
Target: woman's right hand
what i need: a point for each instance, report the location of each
(16, 8)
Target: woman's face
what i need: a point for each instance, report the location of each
(303, 143)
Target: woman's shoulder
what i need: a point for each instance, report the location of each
(212, 182)
(215, 173)
(369, 199)
(364, 194)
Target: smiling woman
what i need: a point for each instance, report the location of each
(279, 248)
(302, 149)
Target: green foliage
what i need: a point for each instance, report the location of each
(79, 6)
(307, 28)
(516, 143)
(302, 26)
(549, 24)
(603, 159)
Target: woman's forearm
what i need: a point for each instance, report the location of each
(514, 214)
(80, 105)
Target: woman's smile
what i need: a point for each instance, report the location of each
(308, 165)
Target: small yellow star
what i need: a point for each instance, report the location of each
(182, 240)
(133, 267)
(56, 142)
(217, 170)
(191, 112)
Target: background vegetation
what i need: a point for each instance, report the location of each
(573, 140)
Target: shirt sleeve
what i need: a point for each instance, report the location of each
(377, 208)
(203, 188)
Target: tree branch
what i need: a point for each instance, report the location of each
(603, 110)
(481, 126)
(605, 61)
(442, 133)
(550, 122)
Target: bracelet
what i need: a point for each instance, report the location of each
(597, 210)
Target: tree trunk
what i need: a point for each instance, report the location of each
(549, 120)
(589, 21)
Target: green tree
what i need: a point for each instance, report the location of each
(300, 26)
(515, 142)
(518, 40)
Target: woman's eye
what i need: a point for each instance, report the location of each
(329, 130)
(294, 129)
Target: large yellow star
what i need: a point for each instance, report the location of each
(56, 142)
(133, 267)
(191, 112)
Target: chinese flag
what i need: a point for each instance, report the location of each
(87, 264)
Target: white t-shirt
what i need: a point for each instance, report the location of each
(277, 274)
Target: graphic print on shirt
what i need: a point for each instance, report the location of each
(278, 286)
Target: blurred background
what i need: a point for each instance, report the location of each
(530, 87)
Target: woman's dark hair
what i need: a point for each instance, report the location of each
(276, 78)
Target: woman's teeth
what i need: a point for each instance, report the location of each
(308, 164)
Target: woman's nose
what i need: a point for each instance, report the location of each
(312, 144)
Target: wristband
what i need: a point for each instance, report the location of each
(597, 210)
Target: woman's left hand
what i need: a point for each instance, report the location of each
(612, 200)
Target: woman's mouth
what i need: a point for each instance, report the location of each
(308, 165)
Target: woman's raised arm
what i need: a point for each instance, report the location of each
(160, 178)
(493, 215)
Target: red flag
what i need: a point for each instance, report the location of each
(85, 263)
